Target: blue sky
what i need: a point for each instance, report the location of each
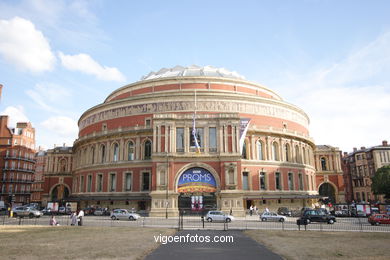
(331, 58)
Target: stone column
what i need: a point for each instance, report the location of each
(154, 139)
(158, 139)
(220, 134)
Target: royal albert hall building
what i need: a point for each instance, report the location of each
(138, 149)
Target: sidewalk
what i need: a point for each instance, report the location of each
(243, 247)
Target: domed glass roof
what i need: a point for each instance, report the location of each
(192, 71)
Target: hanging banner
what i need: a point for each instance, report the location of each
(196, 180)
(244, 125)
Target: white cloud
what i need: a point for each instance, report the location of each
(62, 126)
(348, 102)
(15, 114)
(22, 45)
(84, 63)
(48, 95)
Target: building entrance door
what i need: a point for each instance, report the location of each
(197, 203)
(197, 188)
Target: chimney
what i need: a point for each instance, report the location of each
(345, 154)
(384, 143)
(362, 148)
(354, 149)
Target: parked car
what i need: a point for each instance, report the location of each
(99, 212)
(26, 212)
(272, 216)
(341, 213)
(284, 211)
(378, 219)
(63, 210)
(47, 211)
(3, 211)
(218, 216)
(89, 211)
(316, 215)
(124, 214)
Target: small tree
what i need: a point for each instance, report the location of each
(381, 182)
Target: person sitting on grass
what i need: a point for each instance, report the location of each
(53, 221)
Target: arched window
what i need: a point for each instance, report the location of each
(304, 155)
(275, 152)
(162, 177)
(130, 151)
(115, 156)
(231, 176)
(297, 154)
(287, 152)
(147, 150)
(244, 151)
(323, 163)
(102, 153)
(260, 155)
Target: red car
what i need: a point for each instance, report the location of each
(377, 219)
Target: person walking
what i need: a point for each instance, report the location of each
(73, 219)
(80, 216)
(251, 210)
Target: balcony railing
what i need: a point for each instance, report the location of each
(18, 169)
(17, 181)
(20, 158)
(16, 193)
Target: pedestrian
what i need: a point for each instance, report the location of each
(231, 212)
(73, 219)
(250, 210)
(80, 217)
(266, 210)
(256, 210)
(53, 221)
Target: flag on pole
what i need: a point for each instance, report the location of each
(194, 129)
(244, 125)
(194, 134)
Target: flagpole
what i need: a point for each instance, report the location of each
(194, 127)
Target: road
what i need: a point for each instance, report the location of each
(249, 222)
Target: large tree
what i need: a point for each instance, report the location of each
(381, 182)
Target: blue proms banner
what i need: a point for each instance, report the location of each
(196, 180)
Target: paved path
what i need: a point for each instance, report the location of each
(243, 247)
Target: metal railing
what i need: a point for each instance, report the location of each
(197, 223)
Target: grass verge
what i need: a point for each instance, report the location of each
(325, 245)
(42, 242)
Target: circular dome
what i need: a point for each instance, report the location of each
(192, 71)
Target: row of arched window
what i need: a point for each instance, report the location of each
(101, 153)
(278, 153)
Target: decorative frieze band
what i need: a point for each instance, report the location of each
(185, 106)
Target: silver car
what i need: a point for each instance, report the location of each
(123, 214)
(272, 216)
(218, 216)
(26, 212)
